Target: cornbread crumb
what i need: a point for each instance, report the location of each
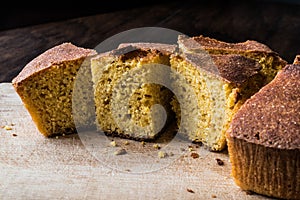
(113, 143)
(191, 148)
(143, 143)
(213, 196)
(8, 128)
(156, 146)
(162, 154)
(120, 152)
(126, 143)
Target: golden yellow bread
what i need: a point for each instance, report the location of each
(264, 138)
(208, 89)
(223, 76)
(45, 86)
(123, 101)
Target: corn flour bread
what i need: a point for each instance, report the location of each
(264, 138)
(129, 114)
(45, 87)
(235, 73)
(221, 82)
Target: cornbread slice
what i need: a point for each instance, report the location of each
(264, 138)
(124, 98)
(45, 87)
(221, 84)
(224, 75)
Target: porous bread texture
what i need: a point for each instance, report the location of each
(229, 88)
(217, 98)
(45, 86)
(133, 94)
(264, 138)
(219, 86)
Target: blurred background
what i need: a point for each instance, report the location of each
(29, 28)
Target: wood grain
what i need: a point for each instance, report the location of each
(35, 167)
(272, 23)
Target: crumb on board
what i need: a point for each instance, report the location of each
(126, 143)
(162, 154)
(190, 148)
(219, 161)
(156, 146)
(213, 196)
(8, 128)
(14, 135)
(120, 152)
(190, 190)
(143, 143)
(194, 155)
(113, 143)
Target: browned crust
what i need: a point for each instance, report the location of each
(264, 170)
(297, 60)
(166, 48)
(210, 43)
(272, 116)
(141, 50)
(54, 56)
(233, 68)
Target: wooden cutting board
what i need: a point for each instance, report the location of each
(35, 167)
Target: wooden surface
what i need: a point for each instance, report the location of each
(274, 23)
(35, 167)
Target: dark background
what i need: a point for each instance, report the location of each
(27, 30)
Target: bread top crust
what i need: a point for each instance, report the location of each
(53, 56)
(271, 117)
(235, 69)
(145, 51)
(232, 68)
(206, 43)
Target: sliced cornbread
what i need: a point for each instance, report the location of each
(45, 86)
(224, 75)
(206, 90)
(123, 96)
(221, 84)
(264, 138)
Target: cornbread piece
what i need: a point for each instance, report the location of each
(45, 86)
(221, 84)
(270, 61)
(264, 138)
(224, 75)
(123, 96)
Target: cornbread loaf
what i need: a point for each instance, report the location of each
(234, 73)
(264, 138)
(45, 87)
(123, 97)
